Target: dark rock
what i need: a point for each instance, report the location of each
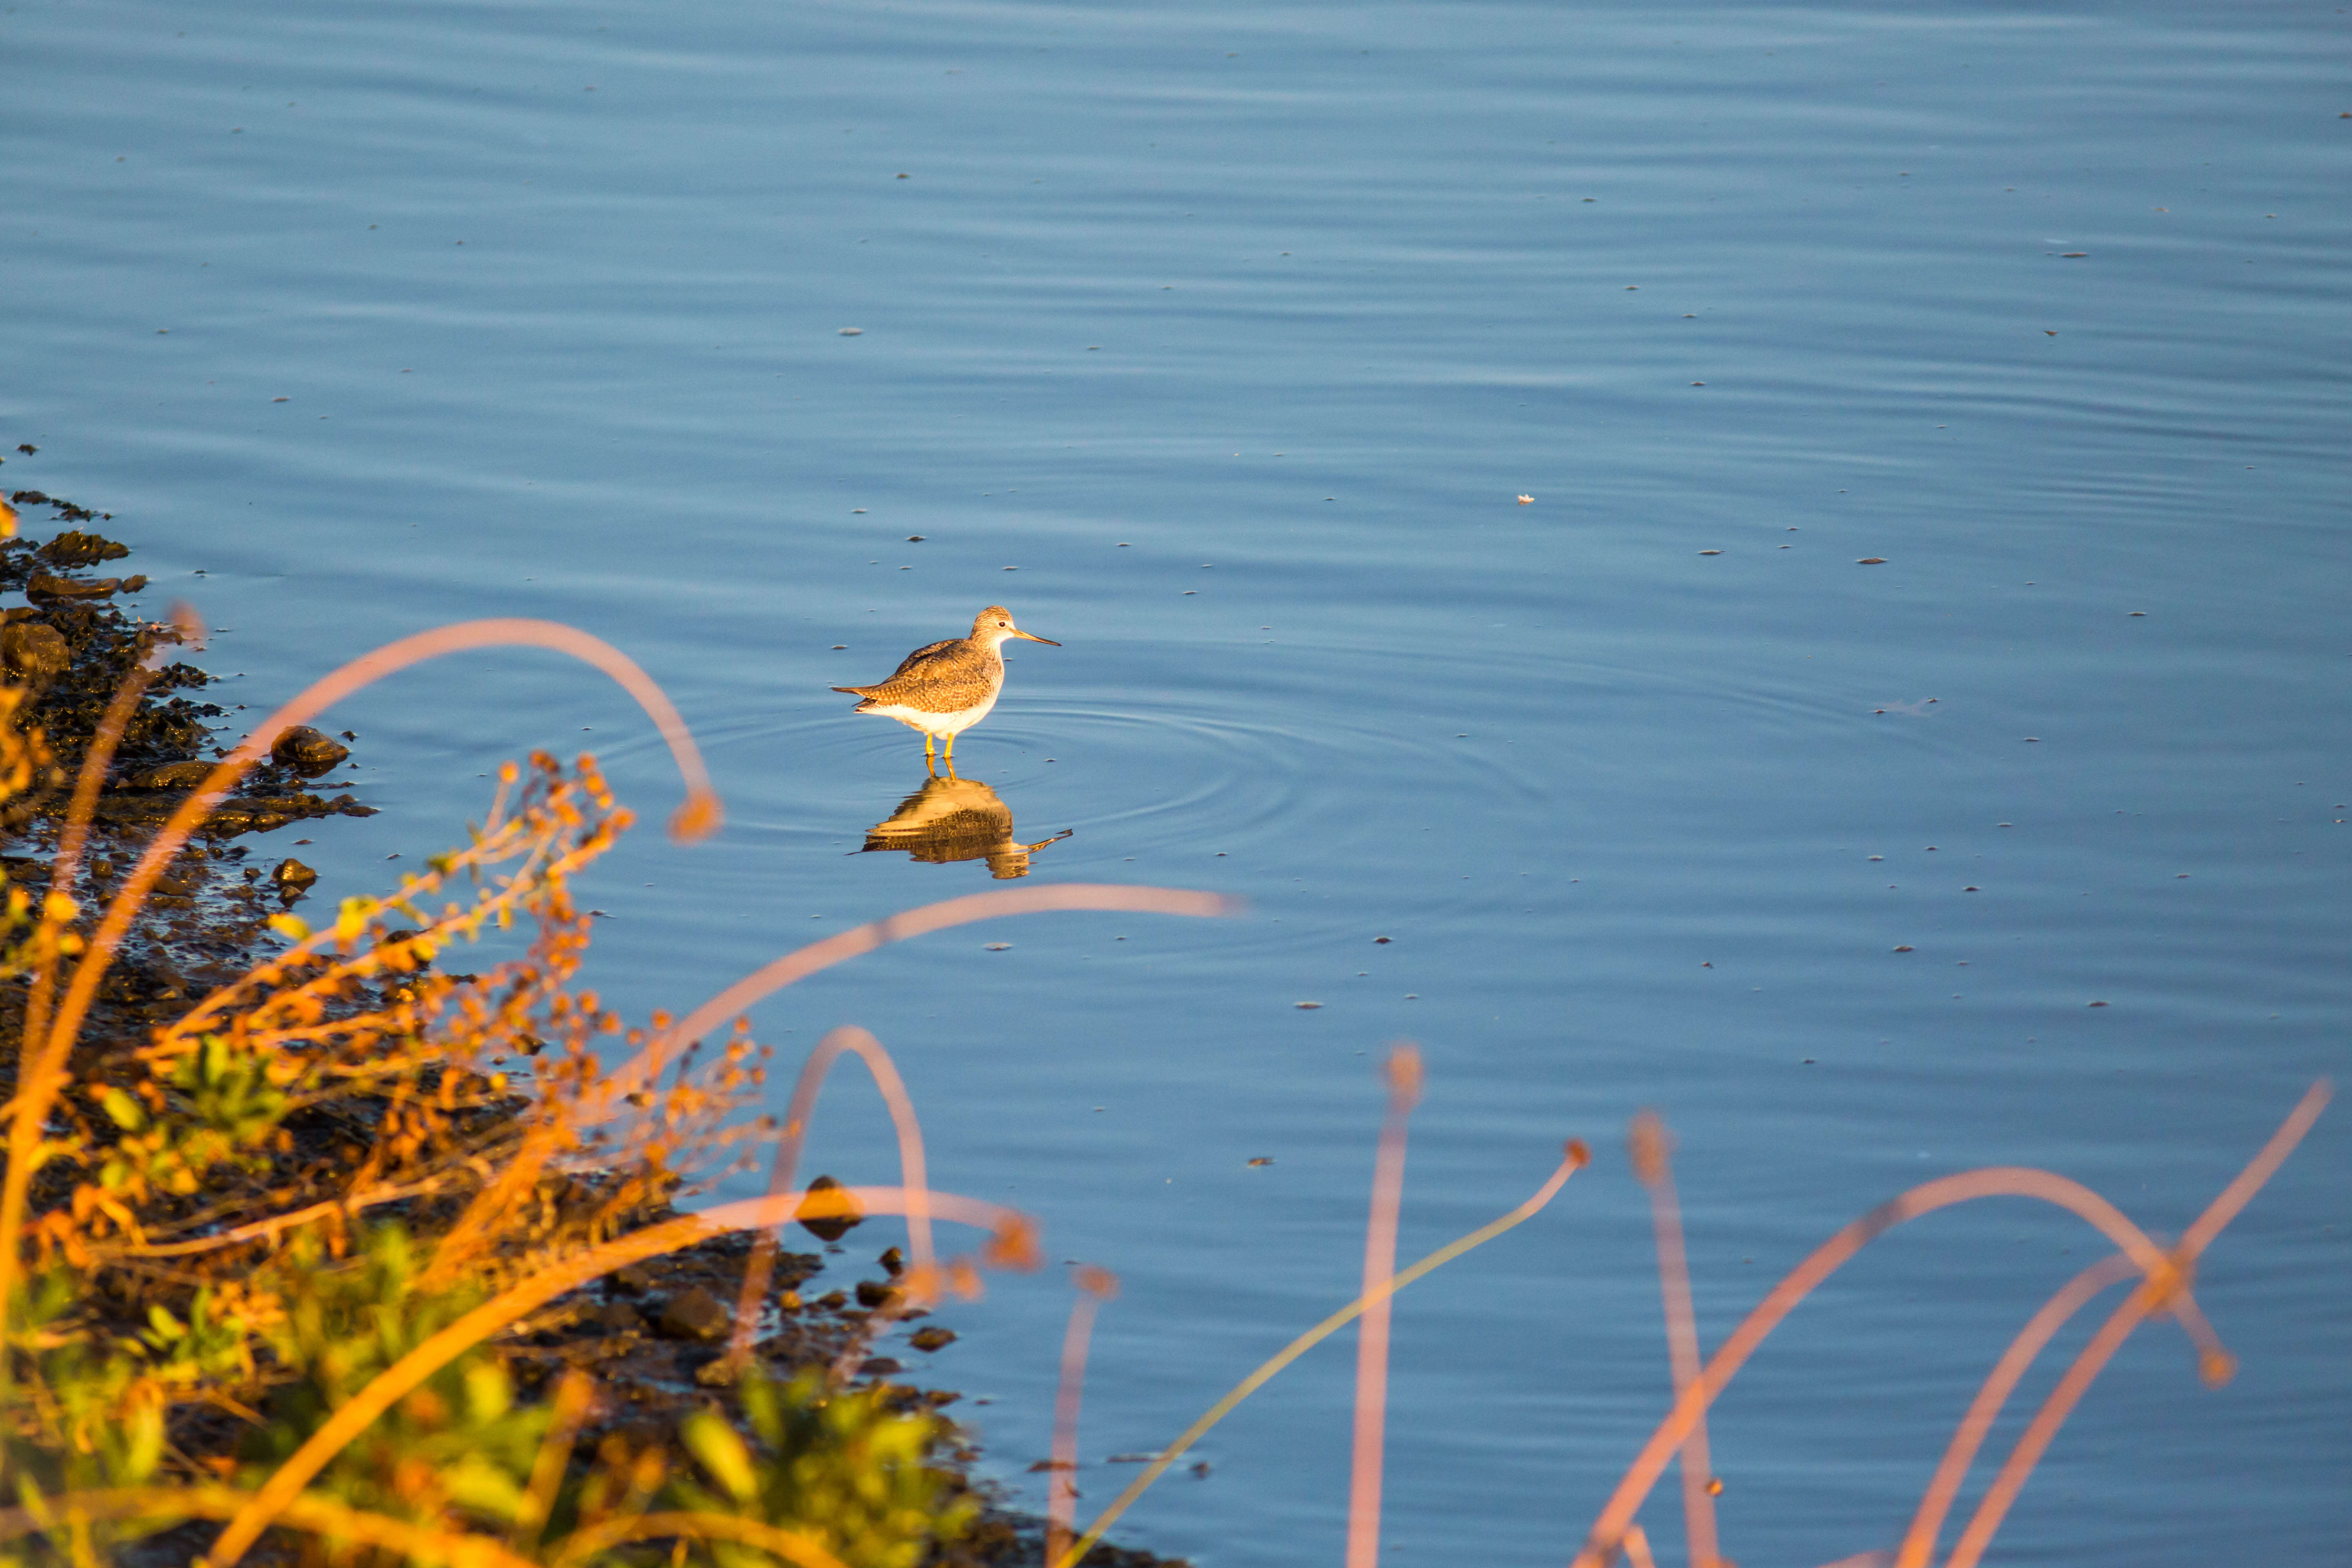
(292, 876)
(632, 1278)
(878, 1366)
(894, 1261)
(928, 1340)
(615, 1318)
(34, 649)
(46, 589)
(873, 1293)
(307, 751)
(845, 1217)
(693, 1314)
(74, 548)
(239, 813)
(172, 775)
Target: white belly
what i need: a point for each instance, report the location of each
(935, 724)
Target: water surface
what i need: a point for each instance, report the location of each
(1220, 343)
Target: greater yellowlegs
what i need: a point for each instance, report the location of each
(947, 688)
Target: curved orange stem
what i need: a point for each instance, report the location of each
(1652, 1148)
(803, 962)
(2150, 1298)
(1095, 1286)
(1402, 1070)
(846, 1040)
(1919, 1541)
(1997, 1181)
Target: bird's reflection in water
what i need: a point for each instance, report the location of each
(951, 819)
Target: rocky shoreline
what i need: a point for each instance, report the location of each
(651, 1335)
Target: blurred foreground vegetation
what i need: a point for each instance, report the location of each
(253, 1168)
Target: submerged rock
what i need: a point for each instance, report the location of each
(307, 750)
(75, 548)
(835, 1215)
(693, 1314)
(34, 649)
(172, 775)
(43, 588)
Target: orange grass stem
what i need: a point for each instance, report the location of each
(1652, 1147)
(1095, 1286)
(802, 962)
(2150, 1296)
(36, 1091)
(396, 1382)
(1575, 1157)
(912, 1170)
(1403, 1072)
(1919, 1541)
(1997, 1181)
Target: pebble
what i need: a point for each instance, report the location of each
(307, 750)
(831, 1227)
(34, 649)
(693, 1314)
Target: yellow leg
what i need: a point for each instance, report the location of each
(930, 758)
(950, 756)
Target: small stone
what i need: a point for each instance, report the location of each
(34, 649)
(75, 548)
(693, 1314)
(46, 589)
(170, 776)
(928, 1340)
(632, 1278)
(893, 1261)
(878, 1366)
(307, 751)
(292, 876)
(873, 1293)
(835, 1216)
(1306, 1006)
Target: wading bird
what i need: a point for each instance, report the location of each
(947, 688)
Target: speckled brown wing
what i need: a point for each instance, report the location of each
(927, 651)
(930, 650)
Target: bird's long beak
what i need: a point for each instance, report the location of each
(1024, 637)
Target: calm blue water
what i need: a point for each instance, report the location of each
(1280, 308)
